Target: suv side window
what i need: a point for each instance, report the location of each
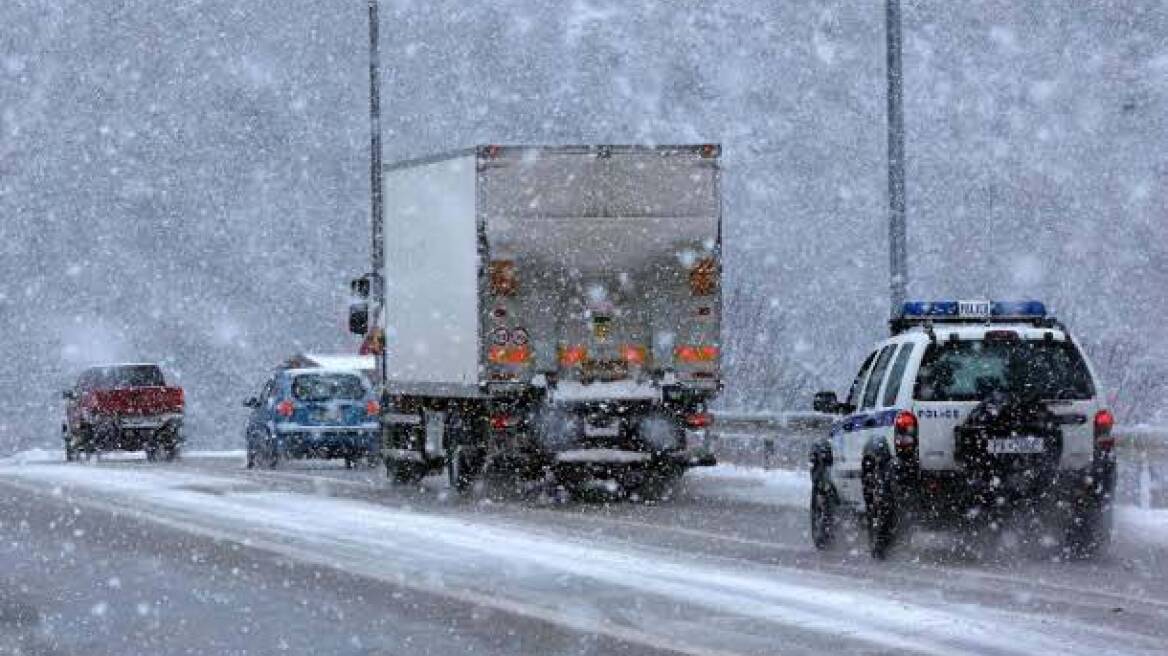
(896, 376)
(858, 382)
(873, 387)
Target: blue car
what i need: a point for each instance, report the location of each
(313, 413)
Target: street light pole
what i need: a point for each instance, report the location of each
(897, 229)
(377, 205)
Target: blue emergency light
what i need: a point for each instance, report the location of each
(921, 312)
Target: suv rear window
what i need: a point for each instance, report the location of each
(326, 387)
(970, 370)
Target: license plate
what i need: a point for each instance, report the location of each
(1011, 445)
(326, 415)
(611, 429)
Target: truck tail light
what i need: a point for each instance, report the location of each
(511, 355)
(1104, 422)
(691, 353)
(634, 354)
(905, 433)
(372, 408)
(285, 408)
(699, 420)
(709, 150)
(703, 277)
(572, 356)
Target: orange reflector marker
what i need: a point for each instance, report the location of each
(504, 280)
(703, 277)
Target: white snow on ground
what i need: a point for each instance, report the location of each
(570, 581)
(45, 456)
(771, 487)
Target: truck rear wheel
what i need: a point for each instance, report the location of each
(461, 469)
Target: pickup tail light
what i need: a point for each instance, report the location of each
(699, 420)
(285, 408)
(1104, 422)
(372, 408)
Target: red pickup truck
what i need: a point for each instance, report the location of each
(125, 407)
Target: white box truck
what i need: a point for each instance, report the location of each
(548, 312)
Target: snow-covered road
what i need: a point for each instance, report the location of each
(725, 567)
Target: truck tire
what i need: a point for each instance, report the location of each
(404, 472)
(880, 511)
(462, 469)
(151, 450)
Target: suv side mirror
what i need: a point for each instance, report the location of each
(359, 318)
(826, 402)
(251, 402)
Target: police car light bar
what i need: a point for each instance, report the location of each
(924, 312)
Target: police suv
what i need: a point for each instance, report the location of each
(970, 410)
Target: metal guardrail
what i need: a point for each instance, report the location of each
(783, 440)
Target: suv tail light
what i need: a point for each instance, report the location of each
(1104, 422)
(905, 434)
(285, 408)
(372, 408)
(501, 422)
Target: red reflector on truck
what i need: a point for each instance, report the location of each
(634, 354)
(696, 353)
(509, 354)
(572, 356)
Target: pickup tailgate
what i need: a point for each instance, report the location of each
(140, 401)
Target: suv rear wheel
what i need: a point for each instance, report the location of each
(881, 513)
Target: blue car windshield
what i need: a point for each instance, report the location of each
(327, 387)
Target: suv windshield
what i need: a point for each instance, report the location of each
(970, 370)
(326, 387)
